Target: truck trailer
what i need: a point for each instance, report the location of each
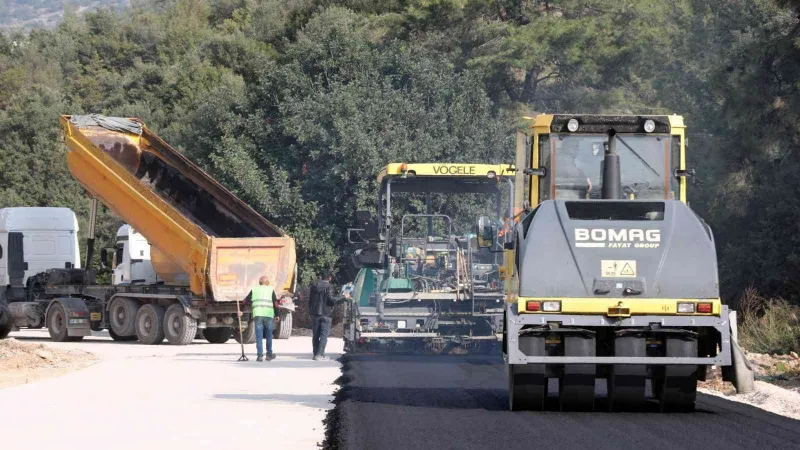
(610, 275)
(207, 247)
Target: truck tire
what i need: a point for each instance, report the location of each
(179, 328)
(284, 328)
(150, 324)
(6, 321)
(218, 335)
(57, 323)
(248, 335)
(119, 338)
(122, 316)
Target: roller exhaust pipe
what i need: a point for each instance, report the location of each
(612, 178)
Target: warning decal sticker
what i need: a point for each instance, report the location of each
(617, 268)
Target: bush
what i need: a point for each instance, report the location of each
(768, 325)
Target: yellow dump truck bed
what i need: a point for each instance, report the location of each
(191, 221)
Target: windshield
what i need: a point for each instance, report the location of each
(576, 160)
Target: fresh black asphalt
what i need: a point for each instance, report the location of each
(416, 402)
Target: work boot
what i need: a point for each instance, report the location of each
(260, 358)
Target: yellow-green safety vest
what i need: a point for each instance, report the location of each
(262, 301)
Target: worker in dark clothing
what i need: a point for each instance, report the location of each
(322, 300)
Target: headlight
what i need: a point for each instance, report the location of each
(649, 125)
(686, 308)
(572, 125)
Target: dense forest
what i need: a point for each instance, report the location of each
(295, 104)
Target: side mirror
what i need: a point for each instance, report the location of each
(365, 223)
(487, 232)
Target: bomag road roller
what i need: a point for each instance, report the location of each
(609, 274)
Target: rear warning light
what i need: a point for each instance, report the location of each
(686, 308)
(704, 308)
(533, 306)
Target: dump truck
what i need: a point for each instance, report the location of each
(422, 283)
(207, 246)
(610, 275)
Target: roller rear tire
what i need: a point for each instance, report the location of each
(676, 387)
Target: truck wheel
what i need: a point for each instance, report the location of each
(150, 324)
(6, 321)
(248, 334)
(219, 335)
(122, 316)
(626, 383)
(119, 338)
(576, 386)
(284, 328)
(57, 323)
(179, 327)
(676, 386)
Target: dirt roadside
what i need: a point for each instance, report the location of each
(777, 386)
(22, 362)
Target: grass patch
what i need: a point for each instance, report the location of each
(768, 325)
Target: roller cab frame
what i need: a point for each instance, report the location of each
(610, 275)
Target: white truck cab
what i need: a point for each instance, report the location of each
(131, 262)
(33, 240)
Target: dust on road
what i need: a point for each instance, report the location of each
(460, 402)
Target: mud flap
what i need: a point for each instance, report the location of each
(740, 372)
(77, 319)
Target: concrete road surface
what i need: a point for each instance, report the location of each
(460, 403)
(154, 397)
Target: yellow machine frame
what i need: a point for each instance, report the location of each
(527, 191)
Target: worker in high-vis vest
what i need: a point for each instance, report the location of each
(263, 299)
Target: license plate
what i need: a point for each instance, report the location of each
(77, 321)
(94, 317)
